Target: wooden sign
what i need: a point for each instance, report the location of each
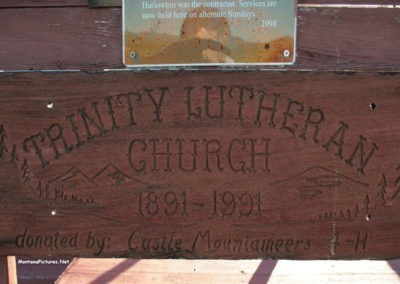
(232, 165)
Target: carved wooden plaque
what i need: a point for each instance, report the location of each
(232, 165)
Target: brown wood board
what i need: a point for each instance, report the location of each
(42, 3)
(350, 2)
(178, 271)
(8, 272)
(4, 269)
(105, 3)
(69, 3)
(83, 38)
(301, 165)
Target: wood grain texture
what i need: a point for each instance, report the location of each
(59, 38)
(338, 38)
(3, 269)
(233, 165)
(353, 2)
(42, 3)
(118, 271)
(82, 38)
(105, 3)
(69, 3)
(8, 270)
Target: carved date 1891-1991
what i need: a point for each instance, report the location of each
(176, 204)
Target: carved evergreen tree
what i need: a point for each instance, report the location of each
(397, 183)
(382, 192)
(14, 154)
(366, 204)
(3, 136)
(25, 171)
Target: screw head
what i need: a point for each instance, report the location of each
(132, 55)
(286, 53)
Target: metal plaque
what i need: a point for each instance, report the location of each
(204, 32)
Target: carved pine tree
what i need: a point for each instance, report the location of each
(366, 204)
(3, 136)
(25, 171)
(397, 183)
(382, 192)
(14, 154)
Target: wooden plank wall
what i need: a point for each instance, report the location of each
(50, 37)
(66, 118)
(84, 3)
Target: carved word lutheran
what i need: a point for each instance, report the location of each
(199, 106)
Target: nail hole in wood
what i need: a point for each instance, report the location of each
(50, 105)
(372, 106)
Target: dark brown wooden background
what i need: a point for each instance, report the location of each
(60, 35)
(348, 64)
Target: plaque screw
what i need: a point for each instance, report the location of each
(50, 105)
(53, 213)
(286, 53)
(132, 55)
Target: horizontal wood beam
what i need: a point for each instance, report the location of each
(350, 2)
(116, 3)
(82, 38)
(226, 271)
(8, 270)
(301, 165)
(105, 3)
(42, 3)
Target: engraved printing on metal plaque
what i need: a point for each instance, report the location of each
(204, 32)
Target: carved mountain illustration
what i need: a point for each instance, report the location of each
(73, 185)
(317, 181)
(110, 175)
(322, 193)
(72, 179)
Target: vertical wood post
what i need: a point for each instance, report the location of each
(8, 270)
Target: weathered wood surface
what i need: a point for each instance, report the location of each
(350, 2)
(8, 271)
(105, 3)
(83, 38)
(42, 3)
(71, 3)
(118, 271)
(234, 165)
(3, 269)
